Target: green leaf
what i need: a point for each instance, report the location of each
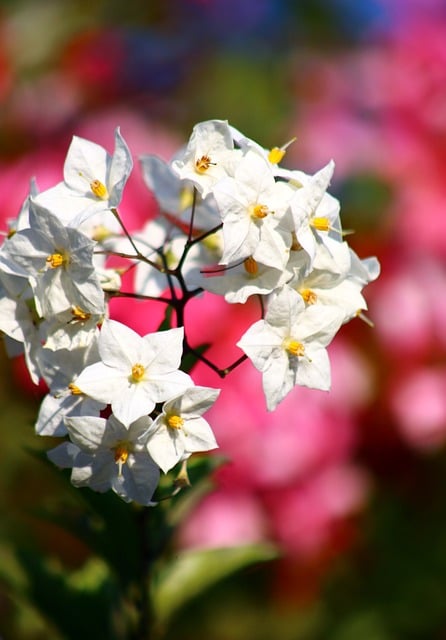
(166, 323)
(191, 572)
(78, 603)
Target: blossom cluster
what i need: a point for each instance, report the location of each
(232, 222)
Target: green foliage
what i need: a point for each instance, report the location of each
(194, 571)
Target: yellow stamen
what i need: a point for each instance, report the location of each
(203, 164)
(11, 232)
(79, 315)
(138, 371)
(55, 260)
(121, 451)
(251, 266)
(258, 211)
(75, 391)
(294, 347)
(308, 295)
(321, 224)
(276, 154)
(99, 189)
(175, 422)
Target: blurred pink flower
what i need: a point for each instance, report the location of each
(409, 307)
(304, 516)
(419, 404)
(224, 518)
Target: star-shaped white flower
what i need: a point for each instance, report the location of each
(180, 430)
(208, 157)
(252, 206)
(93, 180)
(105, 454)
(176, 197)
(135, 372)
(60, 369)
(288, 346)
(58, 261)
(315, 212)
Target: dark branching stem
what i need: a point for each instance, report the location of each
(220, 372)
(179, 295)
(175, 281)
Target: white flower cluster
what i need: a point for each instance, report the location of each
(233, 223)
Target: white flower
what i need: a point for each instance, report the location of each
(331, 282)
(59, 370)
(252, 205)
(208, 157)
(180, 430)
(175, 196)
(239, 281)
(288, 346)
(315, 212)
(104, 454)
(21, 221)
(72, 329)
(93, 180)
(18, 321)
(135, 372)
(58, 260)
(273, 156)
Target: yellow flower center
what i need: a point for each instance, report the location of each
(251, 266)
(75, 391)
(79, 315)
(258, 211)
(138, 371)
(321, 224)
(294, 347)
(121, 454)
(175, 422)
(99, 189)
(308, 296)
(203, 164)
(56, 260)
(276, 153)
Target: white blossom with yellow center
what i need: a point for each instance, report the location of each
(58, 260)
(180, 429)
(105, 454)
(60, 369)
(135, 373)
(93, 181)
(315, 212)
(208, 156)
(288, 346)
(252, 207)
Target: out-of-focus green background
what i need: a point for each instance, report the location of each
(361, 82)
